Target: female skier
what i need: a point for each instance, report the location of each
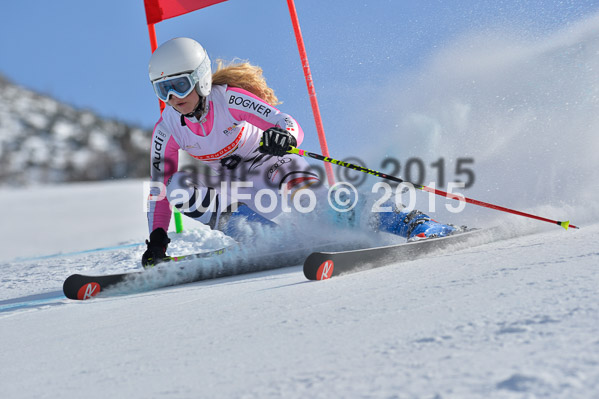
(227, 121)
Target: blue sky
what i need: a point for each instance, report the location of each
(94, 54)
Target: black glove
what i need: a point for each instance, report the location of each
(156, 251)
(276, 141)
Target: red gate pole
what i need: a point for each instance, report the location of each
(313, 101)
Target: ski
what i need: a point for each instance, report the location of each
(79, 286)
(232, 261)
(324, 265)
(224, 262)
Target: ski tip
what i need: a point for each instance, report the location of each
(325, 270)
(88, 291)
(318, 266)
(73, 288)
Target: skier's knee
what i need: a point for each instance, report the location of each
(193, 199)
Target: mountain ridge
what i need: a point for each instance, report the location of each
(43, 140)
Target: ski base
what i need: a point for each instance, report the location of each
(324, 265)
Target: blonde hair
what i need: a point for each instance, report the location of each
(244, 76)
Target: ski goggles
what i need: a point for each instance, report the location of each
(179, 85)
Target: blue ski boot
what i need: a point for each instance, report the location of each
(414, 225)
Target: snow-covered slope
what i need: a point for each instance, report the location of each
(511, 319)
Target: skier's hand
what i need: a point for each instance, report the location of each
(276, 141)
(156, 251)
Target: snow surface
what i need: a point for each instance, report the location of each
(516, 318)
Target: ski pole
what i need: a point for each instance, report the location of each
(359, 168)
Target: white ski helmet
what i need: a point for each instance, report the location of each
(180, 56)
